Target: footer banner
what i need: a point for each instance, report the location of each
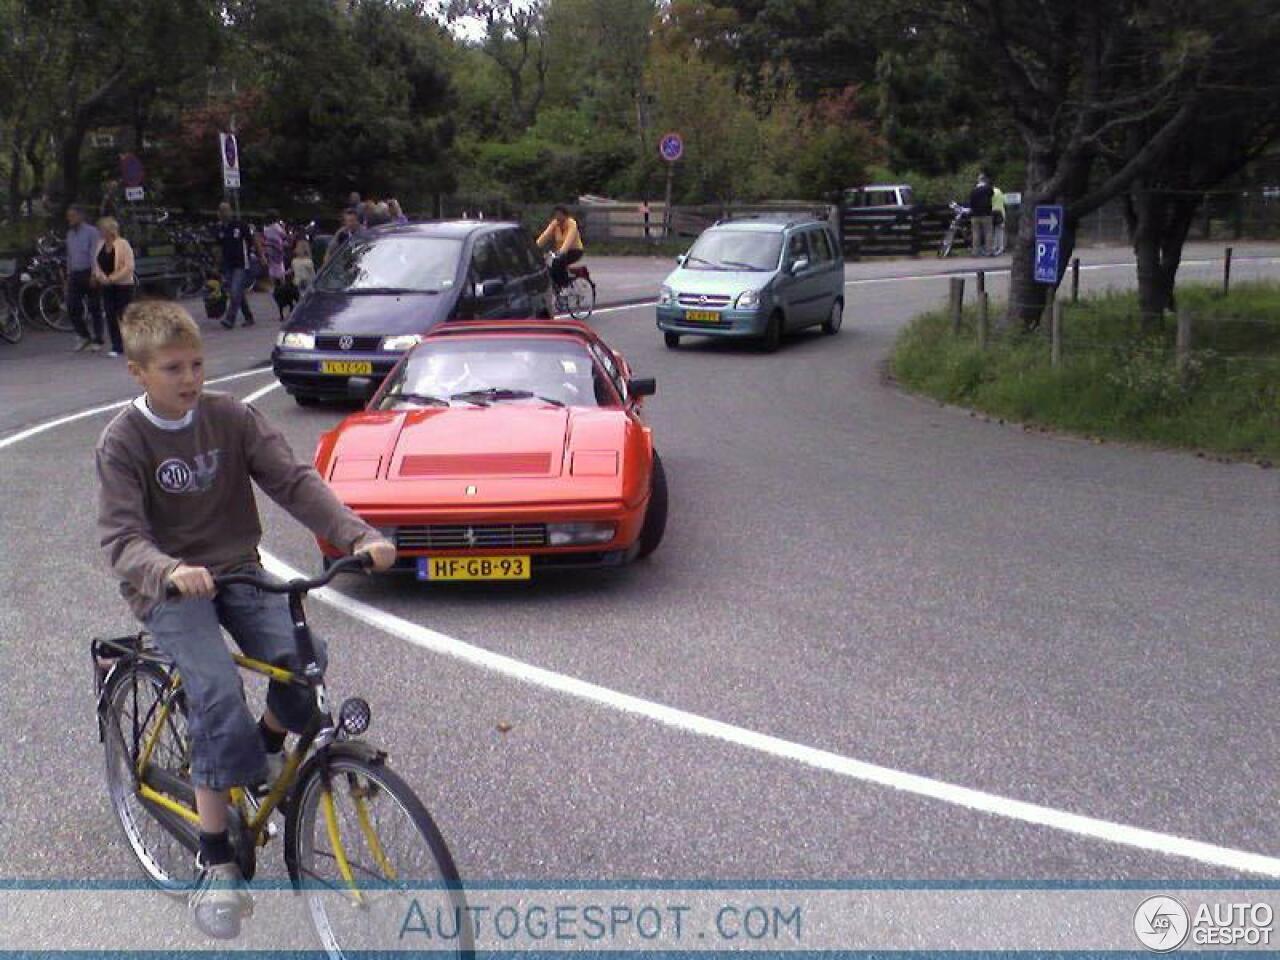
(678, 919)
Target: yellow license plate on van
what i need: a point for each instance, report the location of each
(348, 368)
(474, 568)
(702, 316)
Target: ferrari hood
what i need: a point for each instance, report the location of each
(504, 440)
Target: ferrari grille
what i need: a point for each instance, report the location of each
(475, 464)
(478, 536)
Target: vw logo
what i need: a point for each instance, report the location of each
(346, 343)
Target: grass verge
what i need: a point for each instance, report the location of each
(1115, 381)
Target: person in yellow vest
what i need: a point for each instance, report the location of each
(565, 241)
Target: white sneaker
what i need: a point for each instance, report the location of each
(113, 353)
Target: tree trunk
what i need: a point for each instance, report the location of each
(1026, 297)
(15, 175)
(1162, 223)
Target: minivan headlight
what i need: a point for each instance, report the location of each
(748, 299)
(401, 342)
(665, 296)
(297, 339)
(574, 534)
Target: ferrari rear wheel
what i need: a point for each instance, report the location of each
(655, 518)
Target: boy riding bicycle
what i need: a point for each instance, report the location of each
(176, 507)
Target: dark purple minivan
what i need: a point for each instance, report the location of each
(385, 288)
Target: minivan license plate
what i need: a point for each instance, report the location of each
(702, 316)
(349, 368)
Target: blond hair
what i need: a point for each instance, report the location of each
(109, 223)
(151, 325)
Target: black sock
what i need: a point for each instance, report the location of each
(215, 848)
(272, 741)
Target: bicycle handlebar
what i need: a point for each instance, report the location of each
(299, 586)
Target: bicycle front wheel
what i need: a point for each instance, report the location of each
(131, 708)
(53, 309)
(369, 859)
(582, 298)
(10, 320)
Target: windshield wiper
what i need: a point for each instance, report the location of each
(739, 263)
(386, 290)
(418, 398)
(497, 393)
(713, 266)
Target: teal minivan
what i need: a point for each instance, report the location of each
(755, 279)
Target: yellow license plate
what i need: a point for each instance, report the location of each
(349, 368)
(702, 316)
(474, 568)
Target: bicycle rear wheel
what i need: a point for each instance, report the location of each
(10, 320)
(581, 296)
(376, 861)
(130, 704)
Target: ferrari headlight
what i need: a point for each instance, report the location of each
(297, 339)
(402, 342)
(748, 300)
(665, 296)
(577, 534)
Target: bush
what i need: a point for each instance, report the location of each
(1114, 381)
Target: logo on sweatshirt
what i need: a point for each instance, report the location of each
(175, 475)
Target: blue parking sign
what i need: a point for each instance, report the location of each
(1046, 270)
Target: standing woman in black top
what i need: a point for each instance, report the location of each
(113, 274)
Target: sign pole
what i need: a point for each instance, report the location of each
(671, 149)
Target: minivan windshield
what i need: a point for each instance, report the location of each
(735, 250)
(392, 264)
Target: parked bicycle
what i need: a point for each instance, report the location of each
(44, 287)
(959, 231)
(359, 845)
(578, 297)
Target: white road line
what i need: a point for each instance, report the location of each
(1238, 860)
(107, 407)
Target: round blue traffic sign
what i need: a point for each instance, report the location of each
(671, 147)
(131, 170)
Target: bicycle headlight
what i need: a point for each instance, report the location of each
(401, 342)
(748, 299)
(354, 716)
(665, 296)
(298, 340)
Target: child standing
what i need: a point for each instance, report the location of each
(176, 506)
(304, 268)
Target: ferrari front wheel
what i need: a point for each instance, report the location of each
(655, 517)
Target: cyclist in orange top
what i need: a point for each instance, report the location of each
(562, 235)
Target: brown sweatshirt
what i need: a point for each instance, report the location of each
(173, 491)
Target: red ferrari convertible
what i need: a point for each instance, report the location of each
(495, 449)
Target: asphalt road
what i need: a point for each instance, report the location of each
(1085, 627)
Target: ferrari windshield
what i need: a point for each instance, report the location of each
(735, 250)
(485, 371)
(392, 264)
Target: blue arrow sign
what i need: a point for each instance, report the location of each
(1046, 270)
(1049, 222)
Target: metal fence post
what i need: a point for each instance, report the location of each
(983, 304)
(957, 302)
(982, 283)
(1226, 273)
(1055, 333)
(1183, 347)
(1075, 279)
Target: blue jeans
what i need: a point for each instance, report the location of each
(238, 283)
(226, 748)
